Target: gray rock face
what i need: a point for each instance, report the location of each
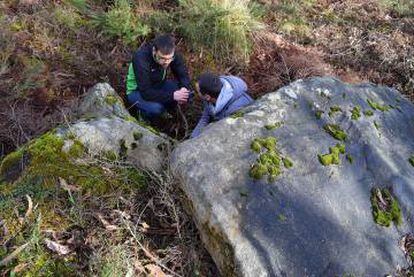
(112, 130)
(311, 220)
(102, 100)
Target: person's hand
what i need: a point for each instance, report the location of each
(181, 96)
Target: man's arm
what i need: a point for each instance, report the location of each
(180, 71)
(142, 75)
(203, 122)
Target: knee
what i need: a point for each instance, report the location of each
(156, 109)
(133, 97)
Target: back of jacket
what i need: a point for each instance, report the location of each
(240, 97)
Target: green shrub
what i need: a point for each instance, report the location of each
(162, 21)
(68, 17)
(404, 8)
(224, 27)
(121, 21)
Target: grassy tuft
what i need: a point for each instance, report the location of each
(230, 24)
(121, 21)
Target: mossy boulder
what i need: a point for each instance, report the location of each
(101, 100)
(121, 138)
(52, 184)
(313, 219)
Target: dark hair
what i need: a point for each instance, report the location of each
(164, 43)
(210, 84)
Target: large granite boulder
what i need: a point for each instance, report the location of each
(304, 204)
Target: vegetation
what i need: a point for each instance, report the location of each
(375, 106)
(51, 52)
(333, 156)
(70, 213)
(269, 161)
(356, 113)
(335, 131)
(385, 207)
(121, 21)
(411, 160)
(231, 24)
(333, 110)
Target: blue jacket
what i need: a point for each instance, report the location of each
(233, 96)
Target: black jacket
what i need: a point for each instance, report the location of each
(150, 75)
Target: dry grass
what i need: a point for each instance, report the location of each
(122, 231)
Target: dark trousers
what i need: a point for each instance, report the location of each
(151, 109)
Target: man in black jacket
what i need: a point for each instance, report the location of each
(147, 87)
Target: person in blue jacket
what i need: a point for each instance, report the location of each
(222, 95)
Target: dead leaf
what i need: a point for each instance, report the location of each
(29, 206)
(19, 267)
(57, 248)
(106, 224)
(123, 214)
(139, 268)
(66, 186)
(145, 225)
(155, 271)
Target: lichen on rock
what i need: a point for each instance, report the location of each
(411, 160)
(356, 113)
(334, 110)
(376, 106)
(269, 161)
(335, 131)
(385, 208)
(333, 156)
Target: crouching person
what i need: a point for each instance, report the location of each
(147, 87)
(222, 95)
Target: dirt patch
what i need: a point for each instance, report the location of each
(276, 62)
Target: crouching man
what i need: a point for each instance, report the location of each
(147, 87)
(222, 95)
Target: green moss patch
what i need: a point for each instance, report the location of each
(411, 160)
(349, 158)
(333, 156)
(287, 162)
(385, 208)
(273, 126)
(334, 110)
(137, 135)
(11, 160)
(356, 113)
(111, 100)
(377, 106)
(58, 205)
(368, 113)
(318, 114)
(376, 125)
(237, 114)
(269, 161)
(335, 131)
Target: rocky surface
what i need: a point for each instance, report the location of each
(107, 127)
(261, 216)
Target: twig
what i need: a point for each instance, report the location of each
(185, 121)
(146, 251)
(29, 206)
